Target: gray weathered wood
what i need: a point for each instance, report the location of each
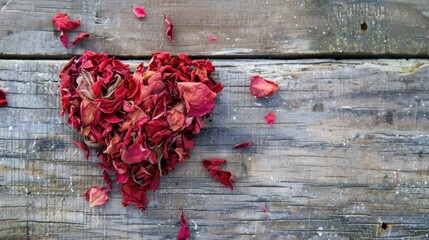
(276, 28)
(348, 151)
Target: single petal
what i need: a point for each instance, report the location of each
(261, 87)
(82, 146)
(139, 12)
(136, 154)
(184, 232)
(170, 29)
(64, 39)
(79, 37)
(211, 38)
(96, 196)
(225, 178)
(242, 145)
(175, 119)
(3, 100)
(90, 112)
(107, 180)
(198, 98)
(61, 21)
(270, 117)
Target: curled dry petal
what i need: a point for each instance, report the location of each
(107, 180)
(175, 119)
(211, 38)
(170, 29)
(261, 87)
(96, 196)
(82, 146)
(242, 145)
(184, 232)
(199, 99)
(64, 39)
(3, 100)
(61, 21)
(225, 178)
(139, 12)
(136, 154)
(79, 37)
(213, 165)
(270, 117)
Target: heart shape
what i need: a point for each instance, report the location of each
(142, 124)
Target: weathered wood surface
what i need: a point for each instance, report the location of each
(271, 28)
(347, 153)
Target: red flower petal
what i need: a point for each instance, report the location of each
(169, 32)
(61, 21)
(64, 39)
(3, 100)
(261, 87)
(82, 146)
(199, 99)
(225, 178)
(175, 119)
(211, 38)
(96, 196)
(270, 117)
(107, 180)
(79, 37)
(242, 145)
(139, 12)
(136, 154)
(184, 232)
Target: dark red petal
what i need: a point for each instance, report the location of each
(242, 145)
(79, 37)
(82, 146)
(169, 32)
(107, 179)
(199, 99)
(61, 21)
(261, 87)
(96, 196)
(64, 39)
(270, 117)
(136, 154)
(139, 12)
(225, 178)
(211, 38)
(3, 100)
(184, 232)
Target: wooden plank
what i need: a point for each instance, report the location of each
(271, 28)
(347, 153)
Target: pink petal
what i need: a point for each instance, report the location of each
(261, 87)
(184, 232)
(242, 145)
(139, 12)
(64, 39)
(170, 29)
(199, 99)
(3, 100)
(211, 38)
(82, 146)
(270, 117)
(96, 196)
(79, 37)
(136, 154)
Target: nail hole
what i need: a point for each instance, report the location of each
(384, 225)
(364, 26)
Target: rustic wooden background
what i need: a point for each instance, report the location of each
(347, 157)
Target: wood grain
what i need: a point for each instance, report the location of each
(271, 28)
(347, 153)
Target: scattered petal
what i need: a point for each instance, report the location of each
(261, 87)
(213, 165)
(3, 100)
(139, 12)
(107, 180)
(242, 145)
(62, 22)
(184, 232)
(79, 37)
(64, 39)
(169, 32)
(96, 196)
(82, 146)
(264, 209)
(270, 117)
(211, 38)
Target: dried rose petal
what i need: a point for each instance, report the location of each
(225, 178)
(61, 21)
(169, 32)
(96, 196)
(213, 165)
(107, 180)
(211, 38)
(136, 154)
(199, 99)
(270, 117)
(261, 87)
(139, 12)
(242, 145)
(3, 100)
(64, 39)
(79, 37)
(264, 209)
(82, 146)
(184, 232)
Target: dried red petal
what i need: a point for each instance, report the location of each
(61, 21)
(211, 38)
(107, 180)
(225, 178)
(96, 196)
(213, 165)
(169, 32)
(139, 12)
(184, 232)
(79, 37)
(270, 117)
(242, 145)
(199, 99)
(261, 87)
(3, 100)
(175, 119)
(64, 39)
(136, 154)
(82, 146)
